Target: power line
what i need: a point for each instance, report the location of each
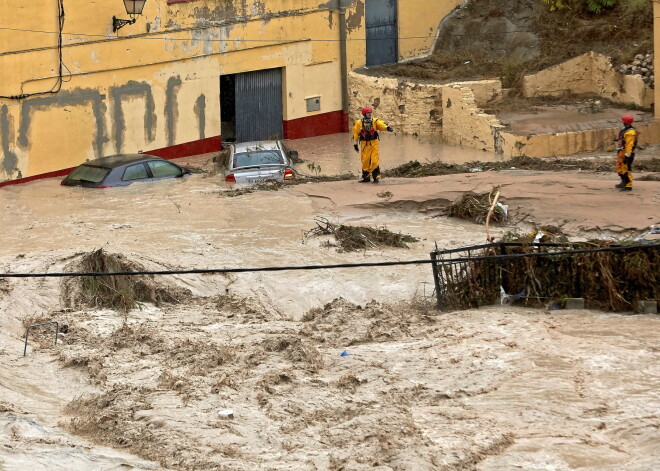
(202, 271)
(256, 40)
(58, 84)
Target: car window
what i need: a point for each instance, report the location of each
(135, 172)
(90, 174)
(164, 169)
(264, 157)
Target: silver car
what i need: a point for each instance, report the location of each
(259, 161)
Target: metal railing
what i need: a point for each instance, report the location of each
(607, 277)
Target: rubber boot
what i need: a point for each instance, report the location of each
(365, 177)
(376, 175)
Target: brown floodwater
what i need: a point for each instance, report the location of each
(334, 153)
(490, 389)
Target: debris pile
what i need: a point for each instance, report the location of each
(641, 65)
(354, 238)
(609, 280)
(119, 292)
(475, 206)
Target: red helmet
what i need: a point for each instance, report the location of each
(627, 119)
(367, 109)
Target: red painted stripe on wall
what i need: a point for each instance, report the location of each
(202, 146)
(56, 173)
(317, 125)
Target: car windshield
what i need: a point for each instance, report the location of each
(257, 158)
(88, 173)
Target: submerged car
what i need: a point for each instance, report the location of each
(123, 170)
(259, 161)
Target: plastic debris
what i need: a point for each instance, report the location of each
(475, 169)
(509, 298)
(344, 354)
(504, 209)
(226, 414)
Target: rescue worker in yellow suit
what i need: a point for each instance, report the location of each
(365, 141)
(627, 142)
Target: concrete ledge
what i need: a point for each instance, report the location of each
(647, 307)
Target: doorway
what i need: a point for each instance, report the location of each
(382, 32)
(251, 106)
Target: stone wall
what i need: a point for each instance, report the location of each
(454, 111)
(412, 108)
(589, 73)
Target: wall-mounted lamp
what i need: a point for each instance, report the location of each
(134, 9)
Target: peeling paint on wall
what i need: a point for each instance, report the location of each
(9, 160)
(132, 89)
(355, 19)
(77, 97)
(200, 112)
(171, 108)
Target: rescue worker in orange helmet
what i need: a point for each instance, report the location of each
(627, 142)
(365, 142)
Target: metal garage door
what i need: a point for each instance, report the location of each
(382, 32)
(259, 105)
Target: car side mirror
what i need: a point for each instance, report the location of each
(293, 153)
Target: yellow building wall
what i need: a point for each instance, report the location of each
(419, 21)
(146, 86)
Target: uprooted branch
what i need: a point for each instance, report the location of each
(353, 238)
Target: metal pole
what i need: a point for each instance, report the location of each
(343, 57)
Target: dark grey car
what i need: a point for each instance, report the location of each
(122, 170)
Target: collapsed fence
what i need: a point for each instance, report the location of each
(613, 278)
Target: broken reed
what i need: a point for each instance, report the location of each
(353, 238)
(608, 280)
(118, 292)
(475, 206)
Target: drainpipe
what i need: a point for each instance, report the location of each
(343, 63)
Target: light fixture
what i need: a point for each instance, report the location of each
(134, 9)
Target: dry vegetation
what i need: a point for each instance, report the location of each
(118, 292)
(354, 238)
(563, 34)
(607, 280)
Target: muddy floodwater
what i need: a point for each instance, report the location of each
(348, 369)
(334, 154)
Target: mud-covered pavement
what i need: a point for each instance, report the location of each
(495, 388)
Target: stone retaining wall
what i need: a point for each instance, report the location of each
(453, 111)
(589, 73)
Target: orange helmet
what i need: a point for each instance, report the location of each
(627, 119)
(367, 109)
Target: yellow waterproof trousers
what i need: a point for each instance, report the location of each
(623, 167)
(369, 155)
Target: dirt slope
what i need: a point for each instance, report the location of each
(508, 39)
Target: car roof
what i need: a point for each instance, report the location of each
(257, 145)
(114, 161)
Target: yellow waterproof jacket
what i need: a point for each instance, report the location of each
(628, 140)
(378, 125)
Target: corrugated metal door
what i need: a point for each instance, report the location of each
(259, 105)
(382, 32)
